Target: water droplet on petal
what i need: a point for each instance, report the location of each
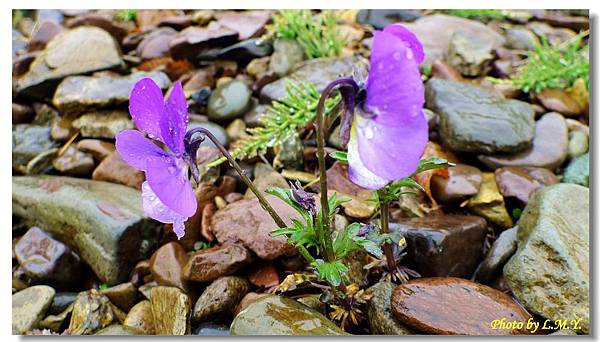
(397, 55)
(369, 133)
(409, 53)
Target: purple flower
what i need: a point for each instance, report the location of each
(167, 195)
(389, 134)
(304, 199)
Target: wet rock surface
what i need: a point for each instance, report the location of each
(275, 315)
(502, 249)
(105, 224)
(445, 246)
(475, 120)
(210, 264)
(553, 254)
(454, 306)
(219, 299)
(379, 310)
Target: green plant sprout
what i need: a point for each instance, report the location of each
(318, 35)
(282, 120)
(126, 14)
(548, 66)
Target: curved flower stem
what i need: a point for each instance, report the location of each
(261, 199)
(326, 237)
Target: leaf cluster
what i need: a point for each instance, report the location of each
(486, 14)
(281, 121)
(126, 14)
(318, 35)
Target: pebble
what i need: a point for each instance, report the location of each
(212, 263)
(521, 182)
(140, 317)
(29, 307)
(166, 266)
(28, 141)
(463, 181)
(287, 53)
(103, 124)
(98, 148)
(578, 171)
(114, 169)
(170, 309)
(489, 203)
(219, 299)
(578, 144)
(229, 101)
(92, 312)
(74, 163)
(379, 311)
(502, 249)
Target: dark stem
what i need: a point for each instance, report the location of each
(326, 237)
(387, 247)
(261, 199)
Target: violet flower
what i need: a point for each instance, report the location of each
(304, 199)
(389, 130)
(167, 195)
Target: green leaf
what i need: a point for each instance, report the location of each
(335, 202)
(286, 196)
(340, 155)
(344, 241)
(431, 164)
(332, 272)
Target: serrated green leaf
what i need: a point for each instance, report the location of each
(340, 155)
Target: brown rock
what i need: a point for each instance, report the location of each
(124, 296)
(219, 299)
(247, 24)
(62, 127)
(21, 63)
(233, 197)
(156, 44)
(138, 273)
(101, 20)
(443, 70)
(178, 22)
(98, 148)
(454, 306)
(212, 263)
(201, 79)
(265, 275)
(558, 100)
(91, 312)
(45, 259)
(207, 213)
(166, 266)
(463, 181)
(74, 163)
(247, 300)
(47, 30)
(171, 310)
(115, 170)
(521, 182)
(246, 222)
(549, 149)
(21, 113)
(140, 318)
(443, 246)
(194, 39)
(148, 18)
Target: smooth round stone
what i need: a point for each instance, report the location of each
(520, 39)
(548, 150)
(578, 144)
(277, 315)
(521, 182)
(502, 249)
(454, 306)
(463, 181)
(211, 329)
(287, 54)
(578, 171)
(219, 299)
(229, 101)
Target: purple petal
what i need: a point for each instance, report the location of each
(409, 39)
(395, 92)
(357, 172)
(157, 210)
(135, 149)
(173, 128)
(147, 108)
(391, 152)
(168, 178)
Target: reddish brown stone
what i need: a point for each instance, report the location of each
(207, 213)
(148, 18)
(115, 170)
(444, 245)
(248, 299)
(454, 306)
(248, 24)
(138, 273)
(441, 69)
(22, 62)
(101, 20)
(246, 222)
(156, 44)
(166, 266)
(210, 264)
(178, 22)
(233, 197)
(521, 182)
(124, 296)
(21, 113)
(265, 275)
(462, 182)
(193, 40)
(98, 148)
(47, 30)
(560, 101)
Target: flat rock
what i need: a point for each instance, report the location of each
(103, 124)
(85, 93)
(74, 163)
(549, 273)
(98, 148)
(380, 18)
(78, 51)
(156, 44)
(100, 20)
(45, 259)
(435, 33)
(473, 119)
(29, 307)
(193, 40)
(170, 309)
(520, 182)
(104, 222)
(548, 150)
(320, 72)
(444, 246)
(379, 311)
(114, 169)
(276, 315)
(502, 249)
(248, 24)
(246, 222)
(454, 306)
(219, 299)
(212, 263)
